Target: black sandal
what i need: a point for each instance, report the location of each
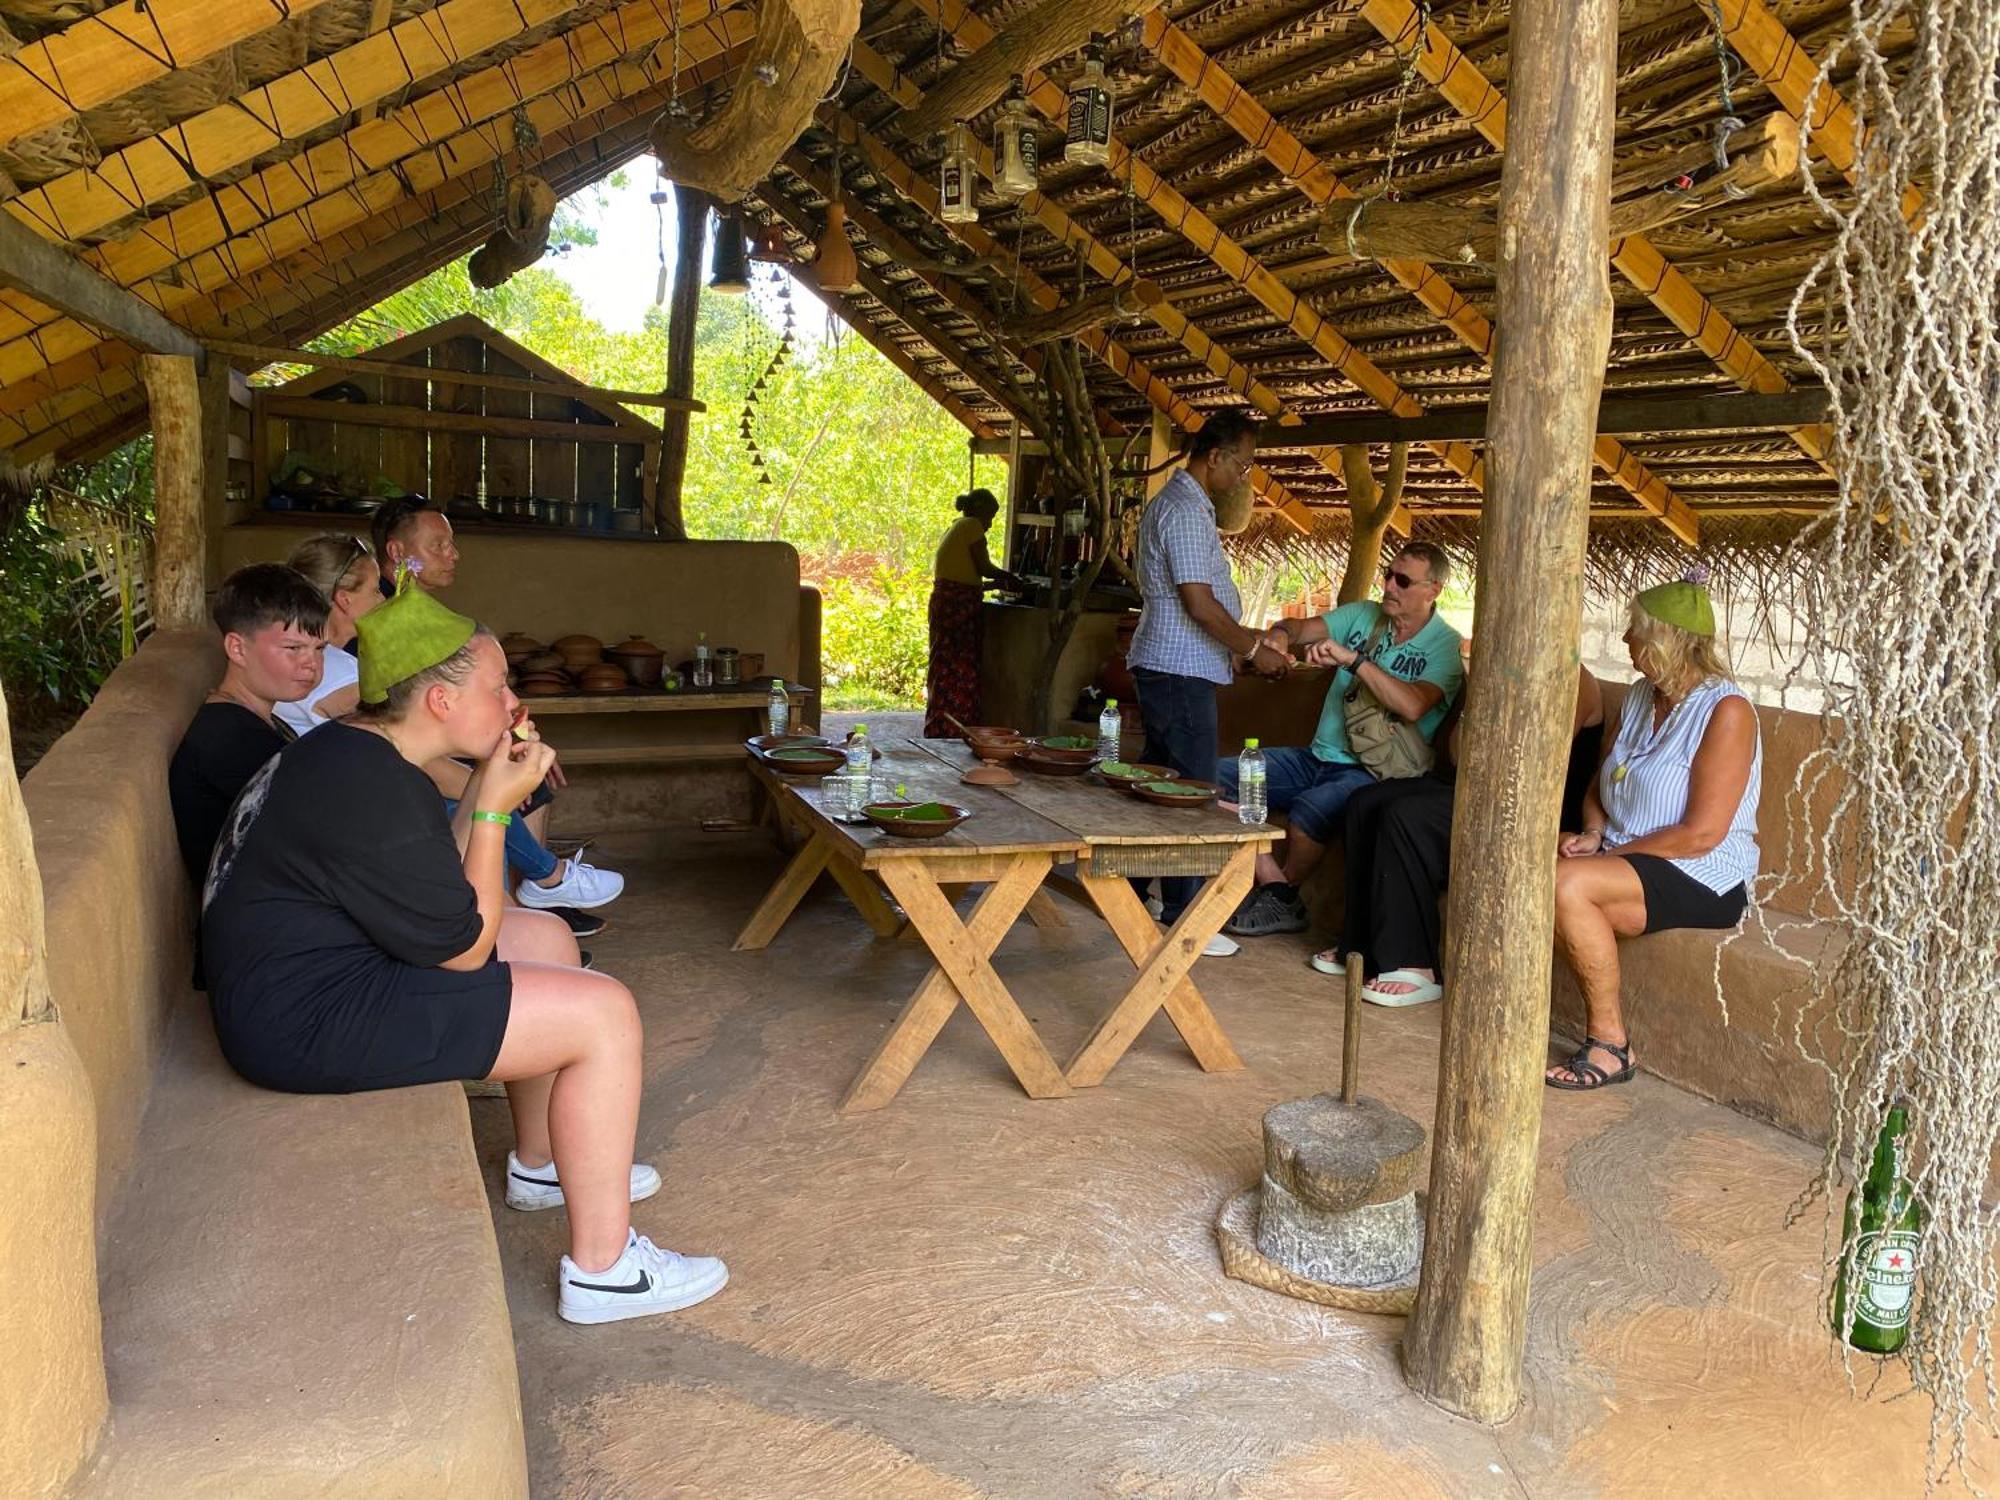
(1587, 1075)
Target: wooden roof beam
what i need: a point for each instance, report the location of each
(1465, 88)
(233, 260)
(1789, 71)
(1241, 110)
(30, 264)
(1205, 235)
(233, 210)
(1729, 412)
(122, 48)
(899, 174)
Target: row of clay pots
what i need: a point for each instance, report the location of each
(585, 658)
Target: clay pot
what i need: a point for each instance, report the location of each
(514, 641)
(540, 662)
(604, 678)
(641, 660)
(541, 686)
(578, 651)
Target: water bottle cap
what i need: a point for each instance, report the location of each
(1250, 744)
(1110, 702)
(860, 728)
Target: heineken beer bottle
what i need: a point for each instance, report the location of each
(1882, 1273)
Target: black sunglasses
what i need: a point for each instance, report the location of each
(1401, 579)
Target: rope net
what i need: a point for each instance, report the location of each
(1902, 803)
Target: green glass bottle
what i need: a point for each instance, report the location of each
(1883, 1273)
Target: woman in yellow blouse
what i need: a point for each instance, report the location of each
(962, 575)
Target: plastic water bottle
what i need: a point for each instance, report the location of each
(1110, 726)
(778, 711)
(860, 755)
(704, 666)
(1251, 800)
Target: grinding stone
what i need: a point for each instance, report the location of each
(1334, 1156)
(1373, 1245)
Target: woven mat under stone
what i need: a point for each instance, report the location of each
(1236, 1236)
(1160, 859)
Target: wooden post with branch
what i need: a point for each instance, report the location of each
(1463, 1347)
(173, 392)
(1082, 466)
(683, 312)
(1370, 504)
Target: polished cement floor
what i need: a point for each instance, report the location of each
(972, 1293)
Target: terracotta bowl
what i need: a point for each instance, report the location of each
(1128, 775)
(542, 686)
(1065, 748)
(976, 732)
(998, 752)
(803, 760)
(892, 818)
(604, 680)
(1049, 763)
(541, 662)
(782, 741)
(1183, 792)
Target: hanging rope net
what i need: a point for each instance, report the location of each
(1901, 316)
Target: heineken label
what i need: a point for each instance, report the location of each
(1888, 1260)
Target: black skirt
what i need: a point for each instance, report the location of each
(1675, 898)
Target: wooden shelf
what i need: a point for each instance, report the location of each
(639, 755)
(687, 700)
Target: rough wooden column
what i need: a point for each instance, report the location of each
(52, 1386)
(1371, 505)
(1464, 1343)
(173, 392)
(215, 419)
(1159, 450)
(683, 312)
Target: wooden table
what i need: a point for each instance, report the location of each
(1125, 837)
(1005, 846)
(747, 704)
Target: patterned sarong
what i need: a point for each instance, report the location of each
(957, 629)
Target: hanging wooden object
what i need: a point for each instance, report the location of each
(523, 237)
(1052, 29)
(1440, 232)
(799, 47)
(1129, 299)
(836, 268)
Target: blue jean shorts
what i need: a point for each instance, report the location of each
(1310, 792)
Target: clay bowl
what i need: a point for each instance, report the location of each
(1128, 775)
(998, 752)
(783, 741)
(1073, 748)
(990, 776)
(542, 686)
(579, 651)
(974, 733)
(640, 659)
(1050, 763)
(541, 663)
(803, 760)
(604, 679)
(916, 820)
(1186, 792)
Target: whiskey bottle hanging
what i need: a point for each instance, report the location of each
(1014, 150)
(957, 179)
(1087, 136)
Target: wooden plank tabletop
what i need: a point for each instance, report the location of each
(657, 701)
(1100, 814)
(998, 825)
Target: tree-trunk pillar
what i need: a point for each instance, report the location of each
(52, 1385)
(1160, 450)
(683, 312)
(173, 394)
(1463, 1347)
(215, 420)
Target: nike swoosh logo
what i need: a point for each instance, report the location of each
(537, 1181)
(643, 1284)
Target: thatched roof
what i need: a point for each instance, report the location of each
(316, 164)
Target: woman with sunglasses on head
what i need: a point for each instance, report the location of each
(344, 570)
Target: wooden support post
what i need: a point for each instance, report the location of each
(173, 392)
(1159, 451)
(1464, 1343)
(213, 391)
(683, 310)
(1371, 504)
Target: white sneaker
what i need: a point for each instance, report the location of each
(531, 1188)
(643, 1281)
(582, 885)
(1222, 946)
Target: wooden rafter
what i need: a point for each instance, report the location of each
(233, 260)
(31, 264)
(121, 48)
(1789, 71)
(900, 175)
(366, 165)
(1231, 258)
(1465, 88)
(1237, 107)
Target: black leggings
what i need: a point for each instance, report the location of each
(1398, 862)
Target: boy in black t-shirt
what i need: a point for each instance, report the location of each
(271, 621)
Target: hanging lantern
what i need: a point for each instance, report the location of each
(1087, 137)
(835, 267)
(1014, 149)
(768, 244)
(958, 179)
(729, 268)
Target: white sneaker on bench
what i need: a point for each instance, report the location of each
(643, 1281)
(530, 1188)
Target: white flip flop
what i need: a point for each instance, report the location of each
(1426, 990)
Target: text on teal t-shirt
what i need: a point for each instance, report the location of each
(1431, 655)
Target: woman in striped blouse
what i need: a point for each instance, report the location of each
(1669, 834)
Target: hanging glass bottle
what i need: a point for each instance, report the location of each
(1087, 138)
(957, 179)
(1014, 148)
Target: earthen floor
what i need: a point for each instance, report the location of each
(971, 1293)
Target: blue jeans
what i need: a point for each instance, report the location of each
(525, 852)
(1310, 792)
(1178, 714)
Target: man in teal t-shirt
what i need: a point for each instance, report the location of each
(1407, 655)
